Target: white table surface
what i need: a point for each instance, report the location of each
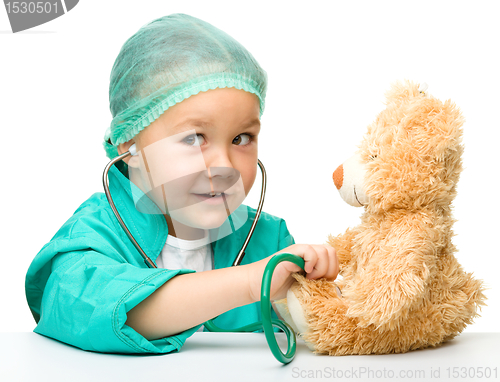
(245, 357)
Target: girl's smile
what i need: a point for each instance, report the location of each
(212, 150)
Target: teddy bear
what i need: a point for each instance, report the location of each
(401, 287)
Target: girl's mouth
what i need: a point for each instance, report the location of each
(215, 198)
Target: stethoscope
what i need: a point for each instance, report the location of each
(267, 321)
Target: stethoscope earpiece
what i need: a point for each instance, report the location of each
(132, 150)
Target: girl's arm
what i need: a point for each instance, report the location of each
(190, 299)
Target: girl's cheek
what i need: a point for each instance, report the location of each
(249, 179)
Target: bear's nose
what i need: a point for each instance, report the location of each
(338, 177)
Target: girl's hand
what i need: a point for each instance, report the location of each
(320, 260)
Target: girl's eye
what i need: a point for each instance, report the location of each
(245, 138)
(194, 140)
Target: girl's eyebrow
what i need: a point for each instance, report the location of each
(193, 122)
(189, 122)
(255, 121)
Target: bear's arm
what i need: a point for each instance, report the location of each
(343, 247)
(392, 280)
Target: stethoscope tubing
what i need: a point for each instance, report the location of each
(147, 260)
(267, 321)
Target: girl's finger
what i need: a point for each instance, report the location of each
(333, 265)
(305, 251)
(310, 257)
(321, 266)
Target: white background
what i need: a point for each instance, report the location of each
(329, 64)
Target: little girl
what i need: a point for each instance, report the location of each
(190, 98)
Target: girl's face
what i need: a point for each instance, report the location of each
(208, 142)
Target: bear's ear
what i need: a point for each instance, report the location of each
(446, 129)
(433, 127)
(404, 90)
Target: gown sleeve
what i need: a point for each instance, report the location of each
(87, 298)
(82, 283)
(285, 238)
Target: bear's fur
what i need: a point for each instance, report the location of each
(402, 287)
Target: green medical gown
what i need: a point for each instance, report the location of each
(82, 283)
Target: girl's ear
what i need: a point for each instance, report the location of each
(123, 147)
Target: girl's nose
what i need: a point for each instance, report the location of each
(222, 172)
(338, 177)
(218, 158)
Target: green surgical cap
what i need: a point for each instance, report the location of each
(168, 60)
